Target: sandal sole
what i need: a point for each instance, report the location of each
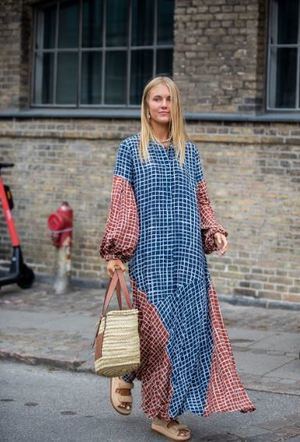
(161, 430)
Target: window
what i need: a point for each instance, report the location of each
(283, 55)
(93, 53)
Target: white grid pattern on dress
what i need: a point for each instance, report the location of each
(168, 270)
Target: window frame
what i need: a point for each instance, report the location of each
(102, 50)
(271, 73)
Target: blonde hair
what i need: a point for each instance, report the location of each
(176, 125)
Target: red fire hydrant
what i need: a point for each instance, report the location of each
(60, 224)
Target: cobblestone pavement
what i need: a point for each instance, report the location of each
(41, 298)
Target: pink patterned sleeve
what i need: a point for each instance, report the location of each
(121, 232)
(209, 224)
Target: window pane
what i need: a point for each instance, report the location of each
(117, 22)
(46, 27)
(287, 22)
(165, 21)
(67, 68)
(115, 73)
(164, 62)
(141, 72)
(142, 22)
(283, 73)
(61, 18)
(68, 24)
(91, 78)
(44, 69)
(92, 23)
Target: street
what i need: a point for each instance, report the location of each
(45, 404)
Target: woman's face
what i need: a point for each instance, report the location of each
(159, 102)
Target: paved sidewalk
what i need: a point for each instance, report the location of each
(39, 327)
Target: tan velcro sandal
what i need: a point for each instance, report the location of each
(173, 429)
(120, 395)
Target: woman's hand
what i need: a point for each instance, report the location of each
(221, 243)
(114, 264)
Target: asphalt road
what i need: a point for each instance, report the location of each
(44, 404)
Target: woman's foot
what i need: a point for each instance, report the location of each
(120, 395)
(173, 429)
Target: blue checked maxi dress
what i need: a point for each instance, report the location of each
(161, 222)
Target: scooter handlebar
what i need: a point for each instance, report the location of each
(2, 165)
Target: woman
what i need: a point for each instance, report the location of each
(161, 222)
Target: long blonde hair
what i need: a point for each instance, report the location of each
(176, 126)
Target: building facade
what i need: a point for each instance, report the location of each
(71, 76)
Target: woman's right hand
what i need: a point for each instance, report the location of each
(114, 264)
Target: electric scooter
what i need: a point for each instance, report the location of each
(19, 272)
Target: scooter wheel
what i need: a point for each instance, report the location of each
(26, 277)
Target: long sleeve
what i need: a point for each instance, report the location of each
(209, 224)
(121, 231)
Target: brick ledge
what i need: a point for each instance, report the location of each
(134, 113)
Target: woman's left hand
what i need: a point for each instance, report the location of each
(221, 243)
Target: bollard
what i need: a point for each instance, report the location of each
(60, 223)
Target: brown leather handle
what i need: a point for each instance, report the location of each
(122, 284)
(118, 289)
(117, 282)
(118, 278)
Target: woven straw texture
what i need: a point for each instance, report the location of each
(121, 345)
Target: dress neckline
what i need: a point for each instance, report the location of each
(161, 145)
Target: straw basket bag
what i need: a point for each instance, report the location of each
(117, 343)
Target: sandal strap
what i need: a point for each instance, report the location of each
(122, 394)
(123, 391)
(124, 398)
(123, 384)
(183, 427)
(177, 426)
(170, 429)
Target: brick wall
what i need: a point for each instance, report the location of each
(16, 40)
(252, 169)
(219, 57)
(10, 53)
(253, 176)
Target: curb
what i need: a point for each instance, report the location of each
(36, 360)
(259, 302)
(266, 389)
(79, 367)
